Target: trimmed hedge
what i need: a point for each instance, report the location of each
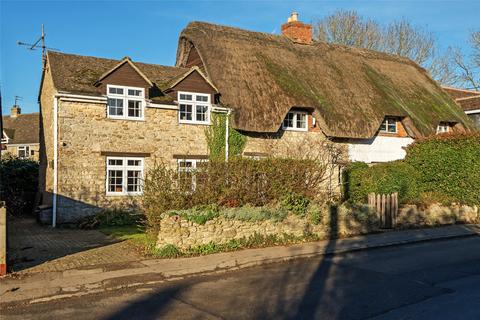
(448, 165)
(18, 184)
(442, 168)
(384, 178)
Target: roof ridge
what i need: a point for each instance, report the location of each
(111, 59)
(315, 43)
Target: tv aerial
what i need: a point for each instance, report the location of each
(40, 43)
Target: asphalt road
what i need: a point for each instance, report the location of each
(431, 280)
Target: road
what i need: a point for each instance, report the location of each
(430, 280)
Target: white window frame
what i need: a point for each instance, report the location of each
(124, 168)
(125, 98)
(25, 149)
(193, 168)
(194, 104)
(295, 127)
(443, 127)
(387, 121)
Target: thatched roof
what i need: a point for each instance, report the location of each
(22, 129)
(261, 76)
(78, 74)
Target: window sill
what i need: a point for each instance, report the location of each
(126, 119)
(194, 122)
(295, 129)
(115, 195)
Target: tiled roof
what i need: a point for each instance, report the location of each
(23, 129)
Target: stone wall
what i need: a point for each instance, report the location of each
(436, 214)
(183, 234)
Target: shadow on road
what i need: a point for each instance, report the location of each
(293, 290)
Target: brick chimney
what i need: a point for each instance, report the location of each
(297, 31)
(15, 111)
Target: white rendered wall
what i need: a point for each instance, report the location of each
(378, 149)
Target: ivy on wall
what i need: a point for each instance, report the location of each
(215, 135)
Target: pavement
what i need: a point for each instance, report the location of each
(434, 280)
(39, 249)
(42, 287)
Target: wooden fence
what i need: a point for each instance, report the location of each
(386, 206)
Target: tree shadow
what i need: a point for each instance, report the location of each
(290, 290)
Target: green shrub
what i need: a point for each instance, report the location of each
(18, 184)
(383, 178)
(315, 214)
(250, 213)
(236, 183)
(198, 214)
(295, 203)
(168, 251)
(449, 166)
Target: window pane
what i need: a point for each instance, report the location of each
(383, 127)
(134, 92)
(202, 98)
(133, 180)
(185, 165)
(392, 127)
(186, 112)
(115, 90)
(115, 180)
(134, 163)
(134, 108)
(202, 112)
(301, 120)
(187, 97)
(288, 122)
(115, 107)
(115, 162)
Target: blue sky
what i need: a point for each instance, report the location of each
(147, 31)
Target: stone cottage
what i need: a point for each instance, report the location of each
(105, 122)
(20, 136)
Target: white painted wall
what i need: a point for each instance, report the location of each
(378, 149)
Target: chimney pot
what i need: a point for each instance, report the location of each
(15, 111)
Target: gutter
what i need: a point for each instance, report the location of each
(55, 160)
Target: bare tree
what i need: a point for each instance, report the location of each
(349, 28)
(404, 39)
(399, 37)
(468, 70)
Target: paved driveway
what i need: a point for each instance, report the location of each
(36, 248)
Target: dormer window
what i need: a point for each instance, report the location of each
(389, 125)
(125, 102)
(443, 127)
(194, 108)
(295, 121)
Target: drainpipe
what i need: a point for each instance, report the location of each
(55, 161)
(227, 134)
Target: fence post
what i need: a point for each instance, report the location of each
(3, 239)
(379, 208)
(395, 209)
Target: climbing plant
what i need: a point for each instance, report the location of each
(215, 135)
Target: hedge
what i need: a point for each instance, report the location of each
(18, 184)
(448, 165)
(390, 177)
(443, 168)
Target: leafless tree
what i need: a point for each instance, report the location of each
(398, 37)
(468, 70)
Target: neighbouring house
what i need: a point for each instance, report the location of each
(106, 121)
(469, 100)
(20, 136)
